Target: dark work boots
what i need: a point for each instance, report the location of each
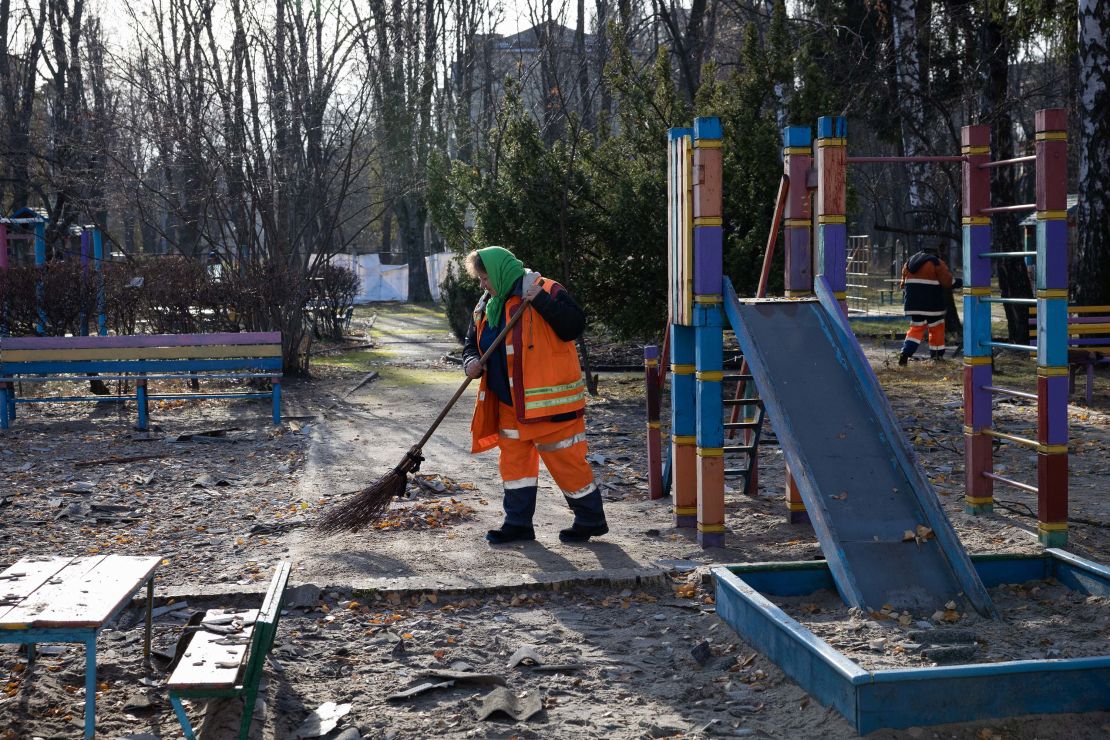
(582, 533)
(510, 533)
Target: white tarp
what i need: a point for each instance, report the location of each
(390, 282)
(437, 271)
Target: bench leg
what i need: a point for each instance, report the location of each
(5, 419)
(90, 687)
(249, 699)
(179, 710)
(277, 402)
(141, 400)
(1090, 382)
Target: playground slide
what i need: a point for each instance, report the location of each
(859, 478)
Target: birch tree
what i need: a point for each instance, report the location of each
(1092, 279)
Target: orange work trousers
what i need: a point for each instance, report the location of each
(561, 445)
(916, 333)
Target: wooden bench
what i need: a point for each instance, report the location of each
(140, 359)
(1088, 342)
(228, 663)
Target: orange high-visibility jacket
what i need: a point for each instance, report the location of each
(545, 378)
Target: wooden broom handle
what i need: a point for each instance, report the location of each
(462, 388)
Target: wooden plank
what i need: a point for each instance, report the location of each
(142, 340)
(208, 664)
(80, 596)
(272, 603)
(75, 568)
(21, 579)
(139, 366)
(142, 353)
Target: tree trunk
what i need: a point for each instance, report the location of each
(1013, 279)
(1092, 265)
(412, 214)
(909, 67)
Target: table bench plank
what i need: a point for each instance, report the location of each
(76, 354)
(142, 340)
(21, 579)
(83, 596)
(200, 667)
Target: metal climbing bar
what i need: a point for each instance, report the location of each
(1015, 301)
(1008, 345)
(1011, 482)
(1009, 392)
(925, 159)
(1015, 160)
(1004, 255)
(1012, 438)
(1009, 209)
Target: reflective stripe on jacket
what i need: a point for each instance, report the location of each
(925, 278)
(544, 375)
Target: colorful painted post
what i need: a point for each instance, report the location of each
(1052, 326)
(709, 323)
(797, 160)
(86, 249)
(680, 300)
(976, 227)
(98, 262)
(654, 448)
(40, 286)
(832, 226)
(3, 266)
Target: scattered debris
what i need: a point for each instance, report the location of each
(505, 701)
(323, 720)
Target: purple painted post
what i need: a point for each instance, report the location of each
(3, 246)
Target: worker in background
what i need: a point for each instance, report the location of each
(925, 277)
(532, 401)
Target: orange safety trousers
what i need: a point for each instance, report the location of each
(561, 444)
(916, 333)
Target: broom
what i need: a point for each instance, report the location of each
(368, 504)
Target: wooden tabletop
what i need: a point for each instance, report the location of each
(58, 592)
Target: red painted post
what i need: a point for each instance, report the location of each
(654, 442)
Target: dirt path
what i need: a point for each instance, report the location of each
(630, 618)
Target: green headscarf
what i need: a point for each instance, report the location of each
(503, 270)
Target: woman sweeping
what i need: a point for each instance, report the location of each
(531, 399)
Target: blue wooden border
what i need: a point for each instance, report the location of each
(919, 696)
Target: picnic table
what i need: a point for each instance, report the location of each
(67, 599)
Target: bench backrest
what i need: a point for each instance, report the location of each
(265, 627)
(144, 353)
(1088, 327)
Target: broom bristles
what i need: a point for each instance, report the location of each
(368, 504)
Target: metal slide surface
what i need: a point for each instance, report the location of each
(860, 480)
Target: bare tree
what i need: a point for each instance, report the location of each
(1092, 281)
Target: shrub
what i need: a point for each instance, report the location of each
(333, 294)
(459, 293)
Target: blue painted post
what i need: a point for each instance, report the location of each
(83, 318)
(90, 686)
(277, 401)
(978, 456)
(40, 288)
(4, 269)
(98, 262)
(832, 226)
(5, 406)
(141, 401)
(708, 322)
(179, 710)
